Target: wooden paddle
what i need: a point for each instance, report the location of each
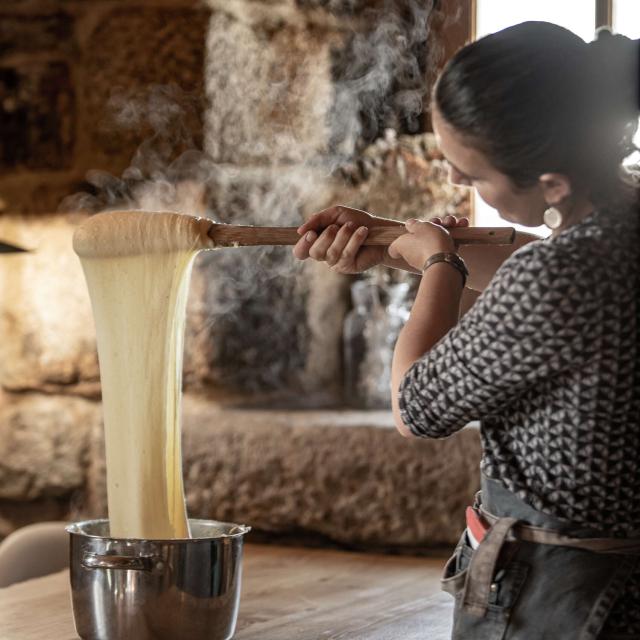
(231, 235)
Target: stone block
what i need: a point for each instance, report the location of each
(27, 33)
(37, 116)
(27, 192)
(131, 51)
(48, 336)
(266, 324)
(349, 477)
(258, 319)
(312, 81)
(269, 91)
(43, 445)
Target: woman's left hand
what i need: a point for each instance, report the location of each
(422, 240)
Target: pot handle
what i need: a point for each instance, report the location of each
(127, 563)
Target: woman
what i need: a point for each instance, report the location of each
(548, 358)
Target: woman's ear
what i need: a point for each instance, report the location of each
(556, 188)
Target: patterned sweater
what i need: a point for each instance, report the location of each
(548, 359)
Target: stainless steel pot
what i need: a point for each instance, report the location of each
(130, 589)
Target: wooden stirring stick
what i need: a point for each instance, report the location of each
(231, 235)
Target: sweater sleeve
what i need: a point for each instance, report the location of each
(537, 318)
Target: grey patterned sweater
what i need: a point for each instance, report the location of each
(548, 359)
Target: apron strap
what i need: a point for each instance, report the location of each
(539, 535)
(477, 588)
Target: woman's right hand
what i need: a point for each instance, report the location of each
(336, 236)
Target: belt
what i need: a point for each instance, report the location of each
(479, 576)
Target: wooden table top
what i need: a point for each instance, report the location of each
(287, 594)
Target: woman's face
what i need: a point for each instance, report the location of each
(470, 167)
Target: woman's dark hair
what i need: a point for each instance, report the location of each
(536, 98)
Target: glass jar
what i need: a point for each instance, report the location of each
(370, 334)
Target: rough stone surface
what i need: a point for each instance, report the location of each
(48, 336)
(263, 324)
(265, 320)
(43, 445)
(40, 193)
(37, 115)
(272, 14)
(296, 81)
(269, 92)
(132, 50)
(21, 33)
(348, 476)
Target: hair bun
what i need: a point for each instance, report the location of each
(616, 61)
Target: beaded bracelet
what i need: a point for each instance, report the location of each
(450, 258)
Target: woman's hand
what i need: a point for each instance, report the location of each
(336, 236)
(424, 239)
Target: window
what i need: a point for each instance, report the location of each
(626, 20)
(577, 15)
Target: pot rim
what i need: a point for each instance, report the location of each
(75, 529)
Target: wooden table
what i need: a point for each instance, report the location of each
(287, 594)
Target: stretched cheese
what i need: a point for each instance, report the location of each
(138, 266)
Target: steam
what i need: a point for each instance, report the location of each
(167, 171)
(381, 76)
(279, 124)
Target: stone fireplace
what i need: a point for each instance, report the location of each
(251, 112)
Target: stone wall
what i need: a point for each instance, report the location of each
(247, 111)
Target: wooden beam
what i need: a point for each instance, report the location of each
(473, 19)
(604, 13)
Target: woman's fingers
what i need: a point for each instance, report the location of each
(338, 246)
(338, 214)
(318, 250)
(302, 247)
(342, 237)
(319, 221)
(350, 250)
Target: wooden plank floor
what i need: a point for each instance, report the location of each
(287, 594)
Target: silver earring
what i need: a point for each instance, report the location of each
(552, 218)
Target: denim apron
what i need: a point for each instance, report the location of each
(535, 577)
